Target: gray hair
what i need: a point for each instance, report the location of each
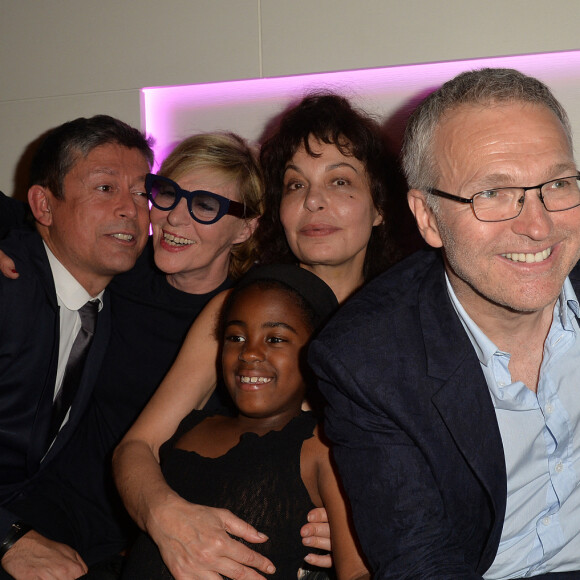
(484, 86)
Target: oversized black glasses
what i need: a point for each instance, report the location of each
(204, 207)
(506, 203)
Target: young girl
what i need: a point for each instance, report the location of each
(267, 464)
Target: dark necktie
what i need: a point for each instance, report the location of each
(74, 367)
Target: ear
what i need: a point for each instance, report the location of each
(425, 218)
(378, 219)
(39, 199)
(248, 230)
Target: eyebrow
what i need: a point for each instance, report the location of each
(327, 168)
(106, 170)
(280, 325)
(561, 167)
(294, 167)
(265, 325)
(340, 165)
(114, 173)
(492, 180)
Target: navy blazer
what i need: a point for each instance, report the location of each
(413, 425)
(29, 341)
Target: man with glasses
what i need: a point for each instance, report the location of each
(453, 379)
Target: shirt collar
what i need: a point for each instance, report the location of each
(484, 347)
(568, 299)
(68, 289)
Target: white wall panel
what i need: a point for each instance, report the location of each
(23, 121)
(67, 47)
(65, 58)
(305, 36)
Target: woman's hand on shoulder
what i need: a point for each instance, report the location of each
(7, 266)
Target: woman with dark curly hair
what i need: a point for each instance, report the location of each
(326, 202)
(326, 210)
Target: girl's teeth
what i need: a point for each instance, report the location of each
(255, 380)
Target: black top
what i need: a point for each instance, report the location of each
(76, 502)
(258, 480)
(150, 321)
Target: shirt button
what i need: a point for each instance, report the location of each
(501, 384)
(546, 521)
(549, 408)
(559, 467)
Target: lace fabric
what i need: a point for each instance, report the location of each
(258, 480)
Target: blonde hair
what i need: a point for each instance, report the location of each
(233, 157)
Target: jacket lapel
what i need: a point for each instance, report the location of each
(463, 401)
(39, 432)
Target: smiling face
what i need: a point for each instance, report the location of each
(99, 227)
(196, 256)
(265, 333)
(478, 148)
(327, 210)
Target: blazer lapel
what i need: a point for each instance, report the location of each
(39, 432)
(463, 401)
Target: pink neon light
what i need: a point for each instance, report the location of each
(164, 108)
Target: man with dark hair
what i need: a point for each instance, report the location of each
(452, 379)
(87, 195)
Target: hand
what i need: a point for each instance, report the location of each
(194, 542)
(316, 534)
(7, 266)
(34, 557)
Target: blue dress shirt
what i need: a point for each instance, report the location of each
(541, 438)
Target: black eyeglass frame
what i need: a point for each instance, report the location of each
(452, 197)
(226, 206)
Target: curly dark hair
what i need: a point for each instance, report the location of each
(330, 119)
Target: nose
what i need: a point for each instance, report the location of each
(535, 220)
(126, 204)
(314, 199)
(179, 215)
(251, 351)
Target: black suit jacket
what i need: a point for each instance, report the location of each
(414, 429)
(29, 341)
